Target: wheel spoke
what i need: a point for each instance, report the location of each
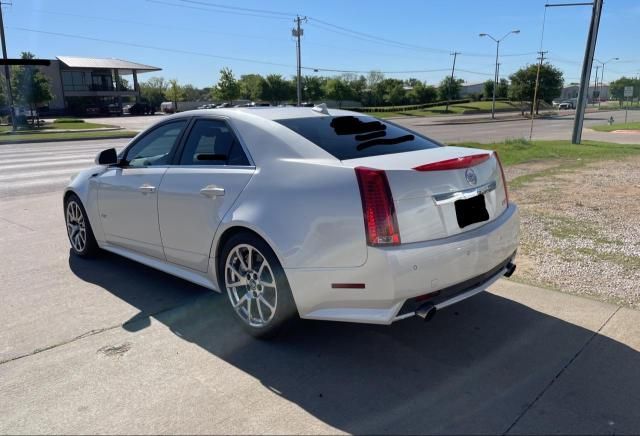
(242, 262)
(270, 284)
(235, 271)
(260, 311)
(266, 303)
(244, 298)
(249, 259)
(249, 308)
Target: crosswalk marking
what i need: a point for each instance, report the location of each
(46, 167)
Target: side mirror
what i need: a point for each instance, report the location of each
(107, 157)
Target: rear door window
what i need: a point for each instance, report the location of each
(211, 142)
(352, 137)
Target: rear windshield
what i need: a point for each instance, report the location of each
(352, 137)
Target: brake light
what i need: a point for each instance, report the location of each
(455, 163)
(504, 180)
(380, 220)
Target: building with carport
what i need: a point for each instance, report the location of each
(92, 86)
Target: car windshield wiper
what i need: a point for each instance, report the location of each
(385, 141)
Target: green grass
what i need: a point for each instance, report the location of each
(517, 151)
(65, 135)
(65, 125)
(75, 125)
(460, 109)
(68, 120)
(622, 126)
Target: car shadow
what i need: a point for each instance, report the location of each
(486, 365)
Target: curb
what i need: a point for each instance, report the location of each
(35, 141)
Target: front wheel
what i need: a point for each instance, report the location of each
(256, 285)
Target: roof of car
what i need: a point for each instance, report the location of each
(269, 113)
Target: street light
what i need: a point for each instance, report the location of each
(495, 78)
(602, 75)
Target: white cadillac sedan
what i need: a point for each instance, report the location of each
(310, 212)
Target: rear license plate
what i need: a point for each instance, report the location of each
(470, 211)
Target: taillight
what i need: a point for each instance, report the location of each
(455, 163)
(504, 180)
(380, 220)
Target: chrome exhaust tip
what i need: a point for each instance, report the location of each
(510, 269)
(426, 311)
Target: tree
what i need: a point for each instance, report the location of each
(421, 93)
(251, 86)
(501, 92)
(523, 83)
(449, 89)
(375, 93)
(30, 87)
(190, 93)
(278, 89)
(313, 88)
(153, 91)
(174, 93)
(337, 89)
(392, 91)
(616, 88)
(227, 89)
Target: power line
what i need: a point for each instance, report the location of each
(152, 47)
(224, 11)
(155, 26)
(237, 8)
(340, 30)
(255, 61)
(377, 38)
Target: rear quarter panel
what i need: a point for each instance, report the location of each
(301, 200)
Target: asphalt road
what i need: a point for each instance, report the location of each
(46, 167)
(559, 127)
(109, 346)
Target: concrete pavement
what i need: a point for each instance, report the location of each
(109, 346)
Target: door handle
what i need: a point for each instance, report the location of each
(212, 191)
(146, 188)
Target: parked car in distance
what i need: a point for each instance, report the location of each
(167, 107)
(310, 212)
(223, 105)
(140, 109)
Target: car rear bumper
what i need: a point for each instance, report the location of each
(442, 272)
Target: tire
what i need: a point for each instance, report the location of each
(257, 289)
(79, 232)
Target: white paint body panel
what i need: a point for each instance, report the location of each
(306, 205)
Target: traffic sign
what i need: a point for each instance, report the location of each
(628, 91)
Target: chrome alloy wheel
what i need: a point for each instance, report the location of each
(251, 285)
(76, 226)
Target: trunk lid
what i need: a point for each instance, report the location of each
(434, 204)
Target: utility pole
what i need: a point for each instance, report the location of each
(297, 32)
(535, 92)
(595, 88)
(453, 70)
(7, 75)
(587, 64)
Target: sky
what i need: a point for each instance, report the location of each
(191, 40)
